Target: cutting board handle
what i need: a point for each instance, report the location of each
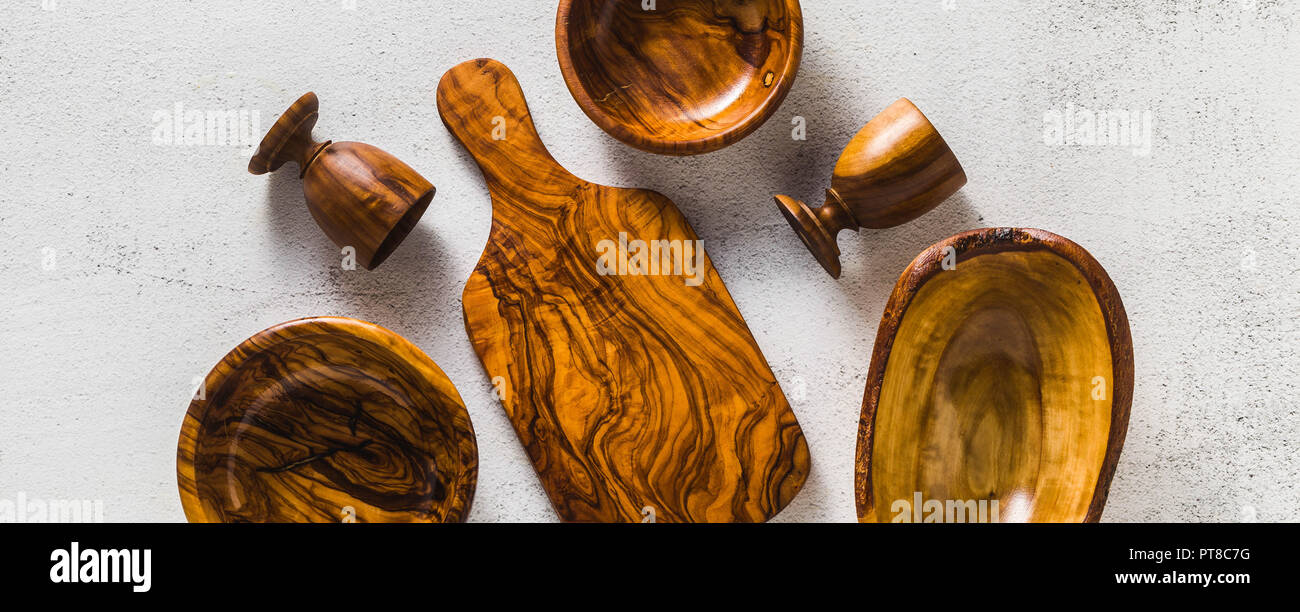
(483, 106)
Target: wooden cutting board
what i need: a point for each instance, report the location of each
(638, 396)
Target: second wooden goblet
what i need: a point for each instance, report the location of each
(894, 170)
(360, 196)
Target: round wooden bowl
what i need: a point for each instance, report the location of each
(1006, 379)
(327, 420)
(690, 76)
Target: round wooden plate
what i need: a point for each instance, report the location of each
(1002, 372)
(327, 420)
(683, 77)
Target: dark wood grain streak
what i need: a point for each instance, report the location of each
(1019, 268)
(627, 392)
(690, 76)
(313, 417)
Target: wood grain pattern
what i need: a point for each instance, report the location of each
(359, 195)
(327, 420)
(688, 77)
(984, 382)
(627, 391)
(895, 169)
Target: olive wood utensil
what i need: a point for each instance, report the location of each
(359, 195)
(326, 420)
(683, 77)
(1008, 377)
(894, 170)
(636, 396)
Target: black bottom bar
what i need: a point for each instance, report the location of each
(565, 564)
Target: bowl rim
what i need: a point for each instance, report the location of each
(663, 146)
(462, 498)
(983, 242)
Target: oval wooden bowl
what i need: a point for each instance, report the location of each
(1008, 378)
(691, 76)
(327, 420)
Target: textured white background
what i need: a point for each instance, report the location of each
(168, 256)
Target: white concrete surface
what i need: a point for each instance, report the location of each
(129, 268)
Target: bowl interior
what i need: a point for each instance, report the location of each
(323, 426)
(690, 73)
(401, 229)
(996, 388)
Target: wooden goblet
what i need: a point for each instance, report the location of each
(360, 196)
(894, 170)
